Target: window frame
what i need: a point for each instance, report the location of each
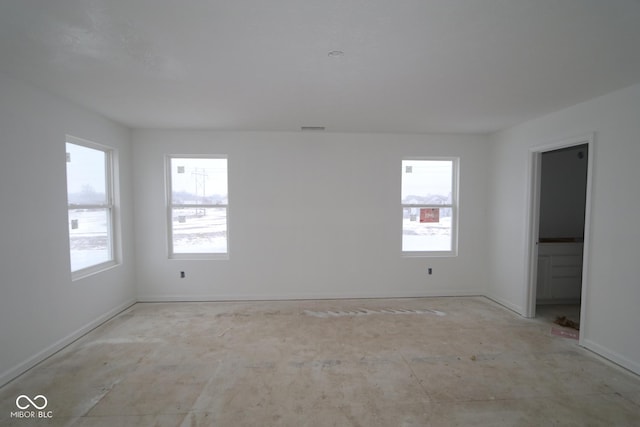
(454, 206)
(110, 206)
(170, 206)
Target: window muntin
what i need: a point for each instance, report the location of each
(429, 206)
(90, 206)
(198, 206)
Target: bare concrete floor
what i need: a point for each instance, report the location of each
(383, 362)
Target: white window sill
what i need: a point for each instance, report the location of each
(95, 269)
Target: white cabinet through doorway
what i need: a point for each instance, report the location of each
(559, 272)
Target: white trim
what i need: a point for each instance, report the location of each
(429, 254)
(195, 256)
(427, 206)
(93, 269)
(506, 304)
(87, 143)
(532, 220)
(609, 355)
(21, 368)
(586, 249)
(304, 296)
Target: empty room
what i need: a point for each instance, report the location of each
(319, 213)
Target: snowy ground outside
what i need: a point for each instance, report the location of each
(426, 236)
(199, 230)
(88, 238)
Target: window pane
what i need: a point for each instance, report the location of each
(89, 237)
(199, 230)
(86, 175)
(199, 181)
(426, 229)
(427, 182)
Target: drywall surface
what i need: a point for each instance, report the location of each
(311, 215)
(563, 192)
(41, 308)
(613, 287)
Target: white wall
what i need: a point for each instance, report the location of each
(41, 309)
(612, 292)
(312, 215)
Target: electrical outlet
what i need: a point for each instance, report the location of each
(430, 270)
(182, 275)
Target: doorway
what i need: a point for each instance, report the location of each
(559, 238)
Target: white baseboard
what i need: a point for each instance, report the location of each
(301, 296)
(21, 368)
(507, 304)
(611, 355)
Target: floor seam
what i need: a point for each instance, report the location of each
(424, 390)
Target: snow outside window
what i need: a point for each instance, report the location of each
(429, 206)
(90, 207)
(198, 207)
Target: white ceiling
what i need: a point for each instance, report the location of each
(408, 65)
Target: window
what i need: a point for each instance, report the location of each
(198, 207)
(429, 206)
(90, 206)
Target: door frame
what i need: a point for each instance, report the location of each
(533, 220)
